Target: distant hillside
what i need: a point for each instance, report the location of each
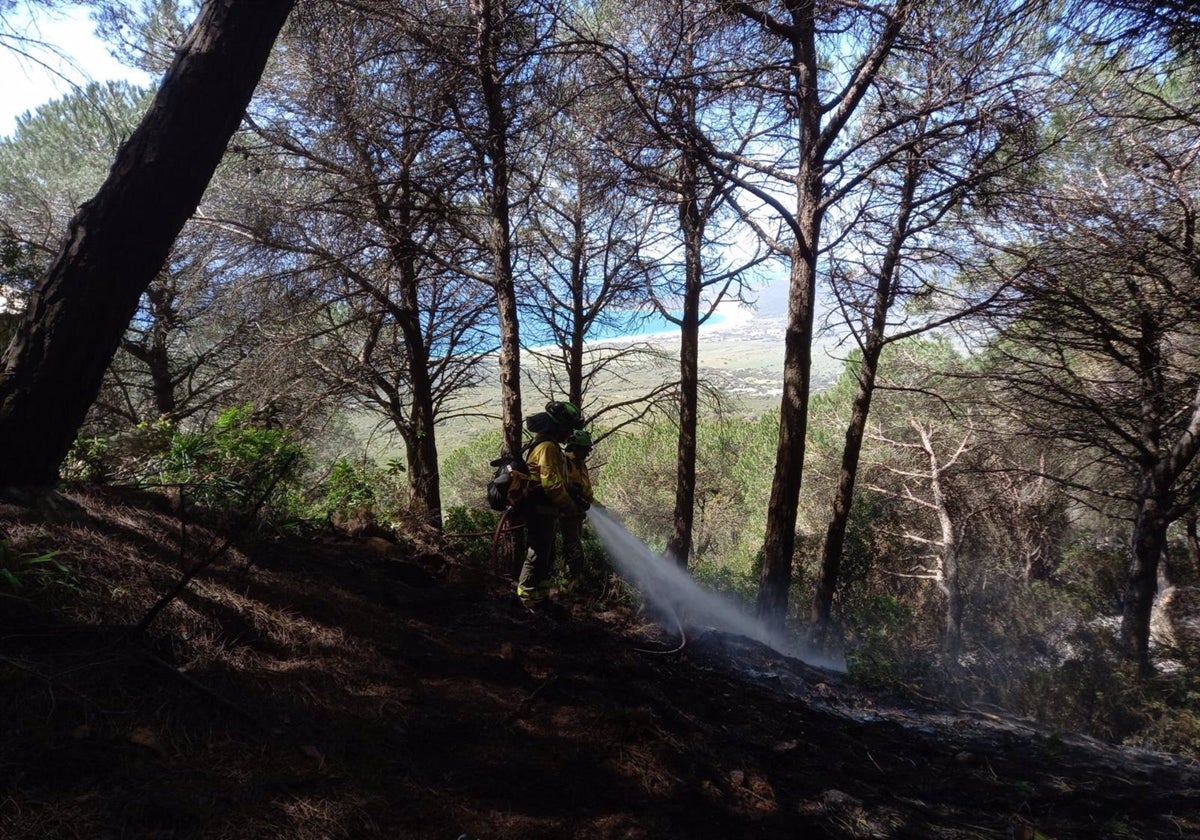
(743, 357)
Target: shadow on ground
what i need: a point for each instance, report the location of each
(327, 688)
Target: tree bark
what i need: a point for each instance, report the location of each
(948, 579)
(118, 240)
(418, 428)
(1141, 582)
(818, 127)
(489, 15)
(489, 36)
(424, 475)
(679, 546)
(1193, 541)
(843, 501)
(779, 543)
(1160, 468)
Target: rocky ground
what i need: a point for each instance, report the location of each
(335, 688)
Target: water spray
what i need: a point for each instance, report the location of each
(670, 589)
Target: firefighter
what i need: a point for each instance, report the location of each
(579, 487)
(548, 498)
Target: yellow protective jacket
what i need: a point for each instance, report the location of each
(577, 473)
(548, 473)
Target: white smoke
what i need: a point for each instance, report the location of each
(671, 589)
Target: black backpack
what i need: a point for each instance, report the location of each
(540, 423)
(510, 485)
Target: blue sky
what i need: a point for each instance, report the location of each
(84, 58)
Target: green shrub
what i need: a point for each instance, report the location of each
(1171, 714)
(466, 471)
(22, 573)
(737, 580)
(133, 456)
(460, 522)
(90, 459)
(1093, 572)
(237, 465)
(882, 652)
(364, 490)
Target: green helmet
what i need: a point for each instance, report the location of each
(580, 439)
(565, 414)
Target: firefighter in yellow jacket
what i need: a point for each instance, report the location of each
(548, 498)
(579, 487)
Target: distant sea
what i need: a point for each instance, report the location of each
(636, 325)
(769, 301)
(642, 325)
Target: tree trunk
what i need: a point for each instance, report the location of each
(1193, 541)
(424, 478)
(118, 240)
(420, 437)
(843, 500)
(818, 128)
(1159, 473)
(489, 37)
(424, 475)
(579, 246)
(949, 581)
(679, 546)
(779, 544)
(1141, 583)
(489, 15)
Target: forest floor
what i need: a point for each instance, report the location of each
(338, 688)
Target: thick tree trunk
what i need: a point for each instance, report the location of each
(157, 360)
(679, 546)
(489, 15)
(163, 315)
(1141, 583)
(424, 475)
(162, 381)
(817, 129)
(118, 240)
(489, 36)
(418, 428)
(1160, 470)
(424, 478)
(780, 541)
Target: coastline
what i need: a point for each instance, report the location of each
(741, 356)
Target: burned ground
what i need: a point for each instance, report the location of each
(332, 688)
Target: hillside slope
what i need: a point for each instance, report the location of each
(330, 688)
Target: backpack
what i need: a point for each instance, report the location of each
(510, 485)
(540, 423)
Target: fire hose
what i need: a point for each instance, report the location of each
(499, 531)
(682, 635)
